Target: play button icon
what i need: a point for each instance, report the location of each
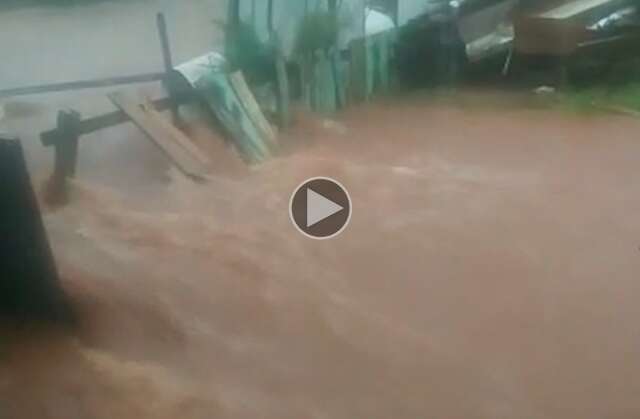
(320, 208)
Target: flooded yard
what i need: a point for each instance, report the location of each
(490, 271)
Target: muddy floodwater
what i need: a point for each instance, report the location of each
(490, 270)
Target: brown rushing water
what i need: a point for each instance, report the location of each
(490, 271)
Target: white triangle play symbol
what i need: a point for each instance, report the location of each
(319, 207)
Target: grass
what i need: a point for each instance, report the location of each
(623, 99)
(617, 88)
(600, 98)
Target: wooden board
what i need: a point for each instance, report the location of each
(176, 134)
(283, 92)
(155, 128)
(241, 88)
(358, 71)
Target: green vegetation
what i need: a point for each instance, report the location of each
(245, 51)
(611, 86)
(318, 31)
(600, 98)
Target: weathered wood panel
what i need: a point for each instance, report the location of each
(29, 285)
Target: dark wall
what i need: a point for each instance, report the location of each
(28, 281)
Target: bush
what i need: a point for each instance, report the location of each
(318, 31)
(244, 51)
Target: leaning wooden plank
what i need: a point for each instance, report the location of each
(177, 135)
(241, 88)
(214, 88)
(158, 134)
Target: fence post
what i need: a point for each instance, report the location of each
(282, 83)
(66, 156)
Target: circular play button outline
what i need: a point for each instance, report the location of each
(333, 212)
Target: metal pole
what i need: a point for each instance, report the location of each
(81, 84)
(164, 42)
(167, 60)
(270, 17)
